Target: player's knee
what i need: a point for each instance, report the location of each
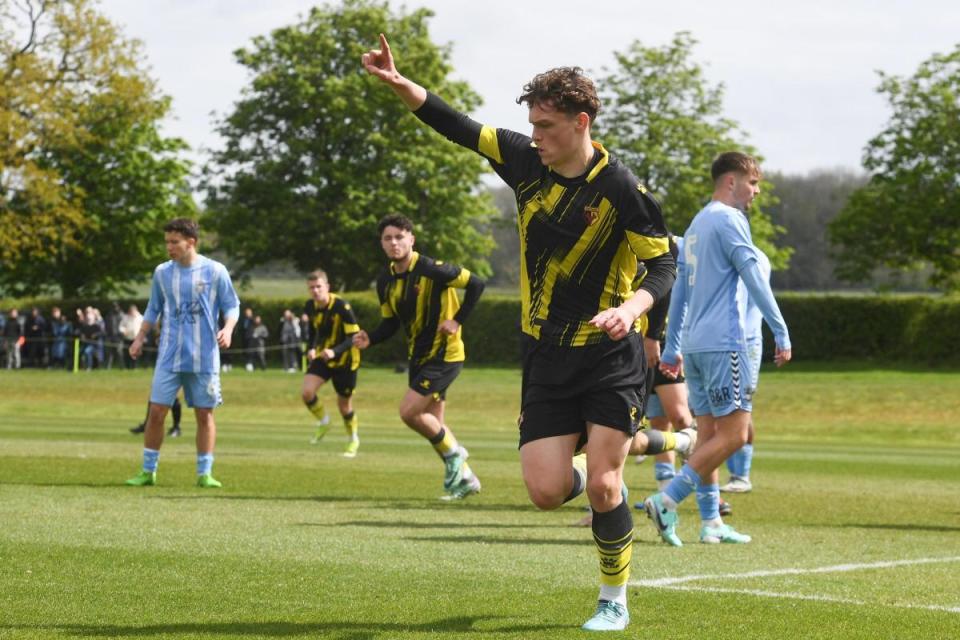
(308, 396)
(603, 490)
(410, 415)
(543, 498)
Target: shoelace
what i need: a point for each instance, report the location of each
(609, 610)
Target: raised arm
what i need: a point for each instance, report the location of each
(379, 63)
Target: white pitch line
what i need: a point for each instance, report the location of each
(804, 596)
(666, 582)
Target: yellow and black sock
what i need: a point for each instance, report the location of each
(316, 408)
(351, 424)
(659, 441)
(579, 477)
(613, 535)
(444, 443)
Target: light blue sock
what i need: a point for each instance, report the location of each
(733, 463)
(708, 500)
(746, 461)
(151, 457)
(204, 463)
(663, 471)
(682, 484)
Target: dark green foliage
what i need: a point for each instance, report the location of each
(876, 328)
(908, 216)
(664, 121)
(86, 176)
(316, 152)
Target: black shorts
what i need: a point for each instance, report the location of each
(564, 388)
(344, 380)
(433, 377)
(659, 379)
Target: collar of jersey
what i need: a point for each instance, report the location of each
(415, 255)
(593, 173)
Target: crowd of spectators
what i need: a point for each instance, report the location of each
(39, 341)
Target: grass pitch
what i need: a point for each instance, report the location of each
(854, 515)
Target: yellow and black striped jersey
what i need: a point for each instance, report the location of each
(580, 238)
(421, 298)
(329, 327)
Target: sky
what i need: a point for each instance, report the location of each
(800, 78)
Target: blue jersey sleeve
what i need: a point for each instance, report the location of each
(155, 305)
(759, 289)
(229, 302)
(675, 316)
(738, 243)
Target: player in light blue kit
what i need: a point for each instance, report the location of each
(707, 325)
(188, 293)
(740, 462)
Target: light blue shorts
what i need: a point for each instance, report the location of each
(718, 382)
(654, 408)
(200, 390)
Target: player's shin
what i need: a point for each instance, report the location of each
(613, 535)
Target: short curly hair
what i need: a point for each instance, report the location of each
(566, 89)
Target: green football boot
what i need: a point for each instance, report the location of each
(663, 519)
(143, 479)
(207, 481)
(724, 534)
(453, 469)
(351, 450)
(466, 487)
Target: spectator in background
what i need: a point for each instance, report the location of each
(91, 338)
(60, 331)
(304, 336)
(258, 341)
(34, 332)
(113, 342)
(290, 340)
(3, 326)
(246, 333)
(13, 339)
(128, 329)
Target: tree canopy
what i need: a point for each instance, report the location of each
(907, 216)
(85, 175)
(664, 120)
(317, 151)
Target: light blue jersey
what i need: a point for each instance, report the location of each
(189, 301)
(705, 309)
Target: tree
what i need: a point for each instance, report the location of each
(908, 215)
(806, 204)
(664, 121)
(316, 151)
(85, 176)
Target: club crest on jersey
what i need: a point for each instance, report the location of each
(200, 288)
(591, 214)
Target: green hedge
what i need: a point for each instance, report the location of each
(823, 327)
(878, 328)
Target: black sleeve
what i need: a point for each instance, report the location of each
(661, 273)
(473, 290)
(657, 318)
(448, 122)
(386, 328)
(344, 345)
